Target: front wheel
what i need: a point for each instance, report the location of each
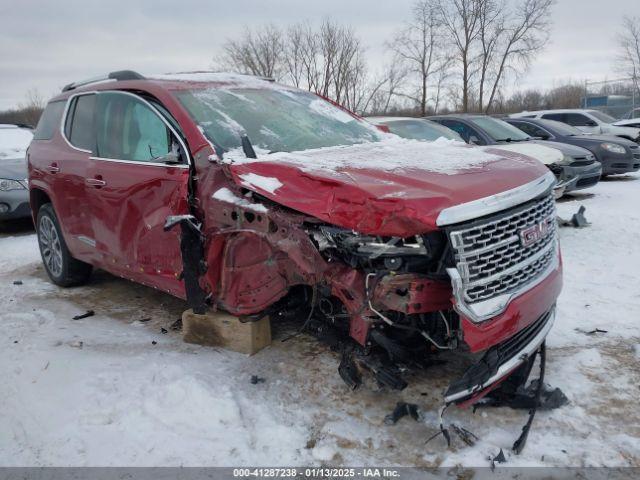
(62, 268)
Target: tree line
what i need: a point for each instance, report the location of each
(450, 55)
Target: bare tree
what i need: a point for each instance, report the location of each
(519, 37)
(419, 46)
(255, 53)
(629, 43)
(461, 19)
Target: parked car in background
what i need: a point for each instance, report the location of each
(631, 119)
(617, 155)
(588, 121)
(240, 194)
(574, 167)
(415, 128)
(14, 188)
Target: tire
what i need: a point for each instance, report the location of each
(62, 268)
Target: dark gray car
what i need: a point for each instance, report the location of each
(14, 190)
(578, 168)
(617, 155)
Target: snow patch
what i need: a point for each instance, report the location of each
(226, 195)
(546, 155)
(326, 109)
(268, 184)
(391, 154)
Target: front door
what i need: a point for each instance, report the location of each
(137, 178)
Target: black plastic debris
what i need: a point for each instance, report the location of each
(15, 341)
(17, 282)
(597, 330)
(177, 325)
(348, 370)
(500, 458)
(465, 435)
(524, 398)
(153, 342)
(87, 314)
(402, 410)
(144, 320)
(163, 330)
(256, 380)
(578, 220)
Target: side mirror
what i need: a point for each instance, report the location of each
(475, 140)
(590, 123)
(544, 136)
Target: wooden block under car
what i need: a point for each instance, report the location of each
(219, 329)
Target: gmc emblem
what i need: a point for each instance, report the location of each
(530, 235)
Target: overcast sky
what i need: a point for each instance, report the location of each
(46, 44)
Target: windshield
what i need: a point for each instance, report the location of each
(603, 117)
(499, 130)
(561, 128)
(274, 120)
(421, 130)
(14, 141)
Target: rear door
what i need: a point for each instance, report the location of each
(135, 184)
(67, 170)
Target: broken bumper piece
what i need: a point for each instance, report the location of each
(500, 361)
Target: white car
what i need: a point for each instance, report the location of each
(588, 121)
(631, 119)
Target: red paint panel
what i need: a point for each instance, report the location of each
(383, 202)
(128, 215)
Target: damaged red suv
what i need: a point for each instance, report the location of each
(239, 194)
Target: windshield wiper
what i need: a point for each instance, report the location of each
(247, 148)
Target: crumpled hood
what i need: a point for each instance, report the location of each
(369, 188)
(13, 168)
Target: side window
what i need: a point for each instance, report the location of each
(465, 131)
(49, 121)
(80, 123)
(531, 130)
(558, 117)
(129, 130)
(578, 120)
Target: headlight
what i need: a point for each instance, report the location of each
(6, 185)
(566, 160)
(613, 148)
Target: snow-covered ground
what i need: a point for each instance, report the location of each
(99, 391)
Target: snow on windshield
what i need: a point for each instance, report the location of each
(391, 154)
(14, 142)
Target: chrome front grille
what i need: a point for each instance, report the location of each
(503, 254)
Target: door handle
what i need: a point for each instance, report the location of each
(95, 182)
(53, 168)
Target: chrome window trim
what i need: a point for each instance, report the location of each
(138, 162)
(135, 162)
(64, 120)
(167, 124)
(495, 203)
(511, 364)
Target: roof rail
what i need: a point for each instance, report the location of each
(119, 75)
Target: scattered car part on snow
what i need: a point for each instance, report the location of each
(403, 409)
(87, 314)
(255, 379)
(578, 220)
(499, 458)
